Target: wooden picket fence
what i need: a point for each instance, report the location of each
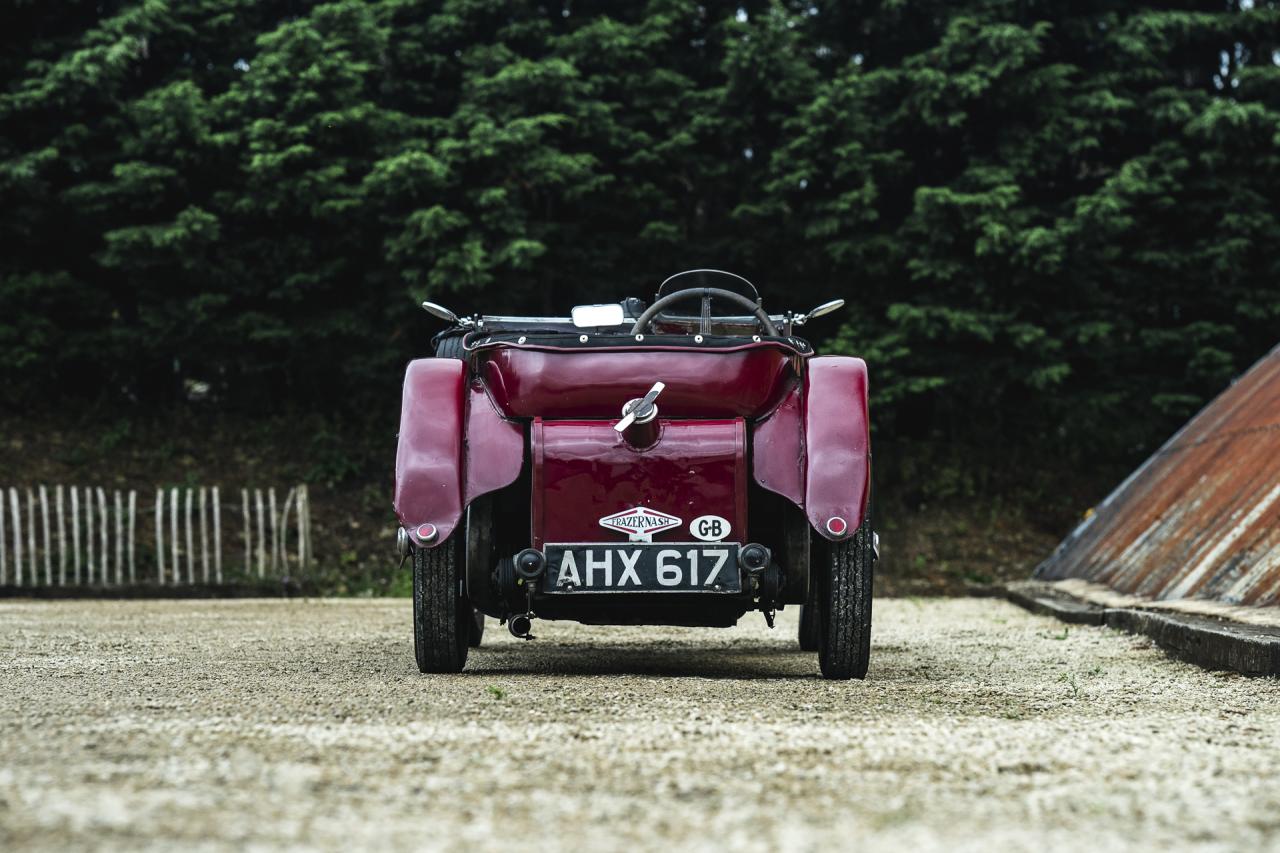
(89, 536)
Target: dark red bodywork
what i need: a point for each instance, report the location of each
(440, 467)
(529, 382)
(815, 448)
(583, 470)
(794, 424)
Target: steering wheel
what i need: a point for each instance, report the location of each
(706, 294)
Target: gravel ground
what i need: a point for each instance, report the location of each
(303, 724)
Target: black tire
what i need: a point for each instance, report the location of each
(442, 618)
(451, 347)
(809, 622)
(844, 633)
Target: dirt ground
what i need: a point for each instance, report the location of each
(304, 725)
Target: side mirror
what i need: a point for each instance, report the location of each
(824, 309)
(440, 311)
(591, 316)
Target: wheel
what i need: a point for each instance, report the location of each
(442, 618)
(450, 347)
(844, 623)
(809, 620)
(475, 630)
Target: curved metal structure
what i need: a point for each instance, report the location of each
(1201, 517)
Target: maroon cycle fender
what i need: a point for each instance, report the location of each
(815, 449)
(436, 475)
(837, 437)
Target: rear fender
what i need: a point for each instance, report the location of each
(453, 447)
(815, 449)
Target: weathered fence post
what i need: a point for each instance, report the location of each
(87, 502)
(173, 534)
(310, 545)
(275, 533)
(16, 512)
(217, 537)
(31, 536)
(262, 534)
(88, 534)
(160, 535)
(133, 514)
(47, 540)
(304, 512)
(104, 564)
(119, 506)
(204, 534)
(75, 533)
(248, 532)
(62, 536)
(191, 551)
(17, 536)
(289, 501)
(302, 537)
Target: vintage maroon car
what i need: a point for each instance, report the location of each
(637, 465)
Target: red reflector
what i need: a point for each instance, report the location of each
(426, 532)
(836, 525)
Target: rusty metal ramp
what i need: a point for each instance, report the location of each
(1200, 518)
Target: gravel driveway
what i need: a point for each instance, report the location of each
(303, 724)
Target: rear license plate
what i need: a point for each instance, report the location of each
(660, 567)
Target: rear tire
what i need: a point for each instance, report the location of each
(451, 347)
(475, 630)
(442, 618)
(844, 631)
(810, 619)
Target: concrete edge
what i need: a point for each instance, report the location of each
(1040, 597)
(1211, 643)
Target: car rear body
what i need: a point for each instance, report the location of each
(513, 446)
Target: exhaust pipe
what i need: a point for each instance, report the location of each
(519, 626)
